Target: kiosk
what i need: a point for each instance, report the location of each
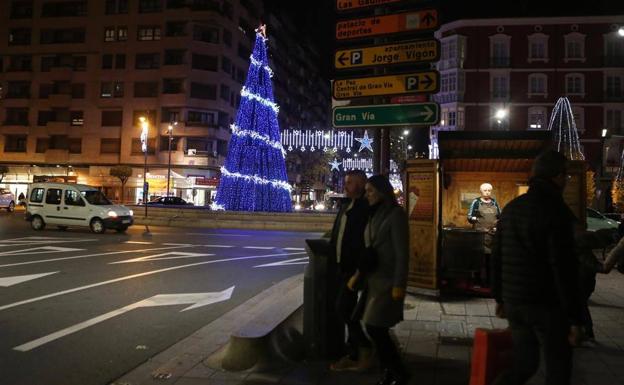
(445, 251)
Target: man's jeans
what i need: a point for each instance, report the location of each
(534, 327)
(346, 301)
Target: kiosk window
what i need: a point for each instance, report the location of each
(36, 195)
(53, 196)
(72, 198)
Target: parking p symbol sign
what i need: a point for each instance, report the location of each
(356, 57)
(411, 83)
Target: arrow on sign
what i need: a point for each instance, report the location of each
(10, 281)
(195, 299)
(427, 81)
(342, 59)
(428, 113)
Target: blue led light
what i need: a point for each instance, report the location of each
(254, 177)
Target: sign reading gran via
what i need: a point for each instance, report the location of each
(386, 115)
(424, 82)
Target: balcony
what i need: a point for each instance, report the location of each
(450, 63)
(448, 98)
(56, 156)
(500, 62)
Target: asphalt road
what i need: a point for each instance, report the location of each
(81, 308)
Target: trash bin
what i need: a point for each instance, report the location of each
(323, 331)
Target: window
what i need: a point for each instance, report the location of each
(169, 115)
(47, 63)
(174, 56)
(145, 61)
(78, 90)
(76, 118)
(15, 143)
(205, 62)
(149, 114)
(36, 195)
(164, 143)
(113, 7)
(53, 196)
(75, 145)
(21, 9)
(227, 37)
(448, 82)
(147, 6)
(538, 47)
(240, 75)
(110, 146)
(614, 50)
(537, 84)
(176, 28)
(200, 145)
(204, 91)
(112, 89)
(243, 51)
(137, 147)
(499, 50)
(107, 62)
(225, 92)
(579, 117)
(226, 64)
(73, 198)
(537, 118)
(64, 8)
(145, 89)
(18, 90)
(43, 117)
(19, 36)
(574, 47)
(80, 63)
(112, 118)
(173, 86)
(575, 84)
(206, 34)
(148, 33)
(16, 116)
(62, 36)
(120, 61)
(122, 33)
(202, 118)
(20, 63)
(614, 87)
(110, 34)
(614, 120)
(500, 86)
(42, 145)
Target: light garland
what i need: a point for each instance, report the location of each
(564, 129)
(312, 140)
(259, 64)
(250, 95)
(254, 135)
(256, 179)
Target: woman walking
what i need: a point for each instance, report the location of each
(387, 235)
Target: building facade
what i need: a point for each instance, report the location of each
(521, 66)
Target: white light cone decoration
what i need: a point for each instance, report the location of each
(565, 134)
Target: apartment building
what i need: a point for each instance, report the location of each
(76, 76)
(523, 65)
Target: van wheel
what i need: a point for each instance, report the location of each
(37, 223)
(97, 226)
(62, 228)
(11, 207)
(121, 229)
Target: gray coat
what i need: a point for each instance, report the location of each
(388, 233)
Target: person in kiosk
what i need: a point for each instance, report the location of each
(483, 214)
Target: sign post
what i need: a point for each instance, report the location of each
(386, 115)
(424, 82)
(417, 51)
(419, 21)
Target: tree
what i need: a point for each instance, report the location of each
(3, 171)
(564, 130)
(591, 187)
(123, 173)
(617, 195)
(254, 177)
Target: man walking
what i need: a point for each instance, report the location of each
(347, 239)
(536, 276)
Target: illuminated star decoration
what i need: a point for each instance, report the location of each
(365, 142)
(335, 165)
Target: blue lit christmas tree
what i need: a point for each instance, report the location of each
(254, 175)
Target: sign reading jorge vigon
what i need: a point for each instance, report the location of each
(386, 115)
(419, 21)
(406, 52)
(424, 82)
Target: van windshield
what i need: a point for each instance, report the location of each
(95, 197)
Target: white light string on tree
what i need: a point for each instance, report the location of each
(253, 134)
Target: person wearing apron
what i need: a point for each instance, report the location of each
(483, 214)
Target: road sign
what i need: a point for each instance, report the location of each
(406, 52)
(347, 5)
(419, 21)
(386, 115)
(424, 82)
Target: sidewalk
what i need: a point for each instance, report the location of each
(436, 340)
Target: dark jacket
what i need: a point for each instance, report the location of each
(353, 237)
(533, 257)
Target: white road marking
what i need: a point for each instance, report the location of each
(222, 235)
(293, 248)
(40, 250)
(195, 299)
(178, 244)
(31, 300)
(169, 255)
(139, 242)
(10, 281)
(223, 246)
(259, 247)
(296, 261)
(46, 240)
(91, 255)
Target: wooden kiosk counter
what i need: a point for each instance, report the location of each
(443, 245)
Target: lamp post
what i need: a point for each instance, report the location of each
(144, 132)
(501, 114)
(170, 131)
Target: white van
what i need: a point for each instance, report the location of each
(67, 204)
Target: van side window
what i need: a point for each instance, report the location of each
(72, 198)
(36, 195)
(53, 196)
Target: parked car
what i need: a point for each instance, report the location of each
(615, 216)
(597, 221)
(7, 200)
(169, 201)
(67, 204)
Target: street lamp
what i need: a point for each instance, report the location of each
(144, 132)
(170, 130)
(621, 31)
(500, 115)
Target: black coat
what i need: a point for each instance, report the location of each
(353, 237)
(533, 257)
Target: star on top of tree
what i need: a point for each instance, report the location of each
(334, 165)
(365, 142)
(262, 30)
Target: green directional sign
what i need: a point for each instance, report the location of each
(386, 115)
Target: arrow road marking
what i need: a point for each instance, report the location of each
(10, 281)
(296, 261)
(31, 300)
(36, 240)
(40, 250)
(169, 255)
(195, 299)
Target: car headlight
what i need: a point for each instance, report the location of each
(131, 213)
(112, 214)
